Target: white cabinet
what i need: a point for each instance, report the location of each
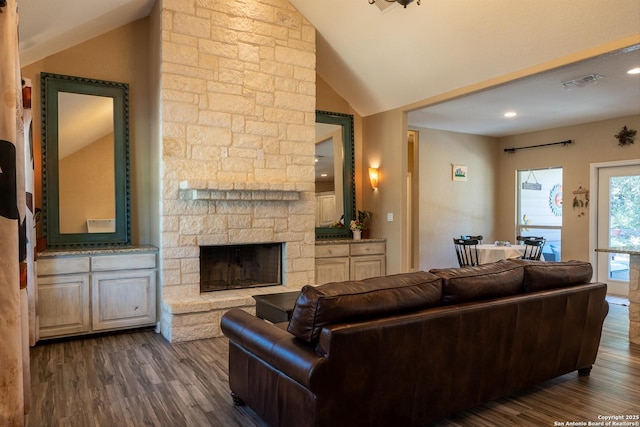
(95, 291)
(351, 260)
(332, 263)
(325, 209)
(123, 299)
(363, 267)
(63, 305)
(367, 260)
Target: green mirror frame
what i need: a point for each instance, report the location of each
(51, 85)
(348, 168)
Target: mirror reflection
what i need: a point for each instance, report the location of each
(329, 181)
(85, 157)
(335, 182)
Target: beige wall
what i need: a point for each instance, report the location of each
(92, 196)
(485, 204)
(386, 148)
(122, 56)
(452, 208)
(592, 143)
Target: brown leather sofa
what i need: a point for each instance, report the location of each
(408, 349)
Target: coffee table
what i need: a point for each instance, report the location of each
(276, 308)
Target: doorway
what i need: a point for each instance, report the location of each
(412, 200)
(615, 220)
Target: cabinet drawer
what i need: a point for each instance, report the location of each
(52, 266)
(123, 262)
(367, 248)
(326, 251)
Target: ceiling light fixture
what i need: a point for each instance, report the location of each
(402, 2)
(510, 114)
(634, 71)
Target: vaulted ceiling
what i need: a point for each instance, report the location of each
(416, 56)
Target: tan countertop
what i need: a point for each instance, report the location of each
(338, 241)
(49, 253)
(631, 250)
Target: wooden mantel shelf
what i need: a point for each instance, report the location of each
(216, 190)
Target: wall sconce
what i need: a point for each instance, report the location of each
(373, 177)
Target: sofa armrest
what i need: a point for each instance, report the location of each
(275, 346)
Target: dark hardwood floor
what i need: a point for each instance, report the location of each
(138, 379)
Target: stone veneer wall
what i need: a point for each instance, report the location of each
(238, 119)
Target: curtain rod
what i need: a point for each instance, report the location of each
(513, 150)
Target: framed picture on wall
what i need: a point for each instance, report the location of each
(458, 172)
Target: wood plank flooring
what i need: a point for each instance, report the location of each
(138, 379)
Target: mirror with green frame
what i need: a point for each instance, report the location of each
(85, 162)
(335, 184)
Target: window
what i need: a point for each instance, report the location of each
(540, 208)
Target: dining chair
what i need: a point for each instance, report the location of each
(523, 238)
(466, 251)
(478, 238)
(533, 249)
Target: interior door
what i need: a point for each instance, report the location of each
(618, 223)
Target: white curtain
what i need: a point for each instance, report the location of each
(14, 256)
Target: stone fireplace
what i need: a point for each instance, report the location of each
(238, 142)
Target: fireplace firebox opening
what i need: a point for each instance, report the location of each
(240, 266)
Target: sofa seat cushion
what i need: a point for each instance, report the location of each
(318, 306)
(481, 282)
(540, 275)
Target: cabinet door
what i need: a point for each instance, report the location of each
(63, 305)
(123, 299)
(332, 270)
(325, 210)
(363, 267)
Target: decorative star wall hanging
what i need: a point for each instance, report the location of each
(625, 136)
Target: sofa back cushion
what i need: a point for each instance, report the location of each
(350, 301)
(540, 275)
(481, 282)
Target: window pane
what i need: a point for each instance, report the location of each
(540, 208)
(540, 197)
(624, 221)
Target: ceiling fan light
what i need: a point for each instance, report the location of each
(404, 3)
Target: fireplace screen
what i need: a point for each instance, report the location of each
(240, 266)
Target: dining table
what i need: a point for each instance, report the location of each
(488, 253)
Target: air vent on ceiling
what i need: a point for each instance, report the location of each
(581, 81)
